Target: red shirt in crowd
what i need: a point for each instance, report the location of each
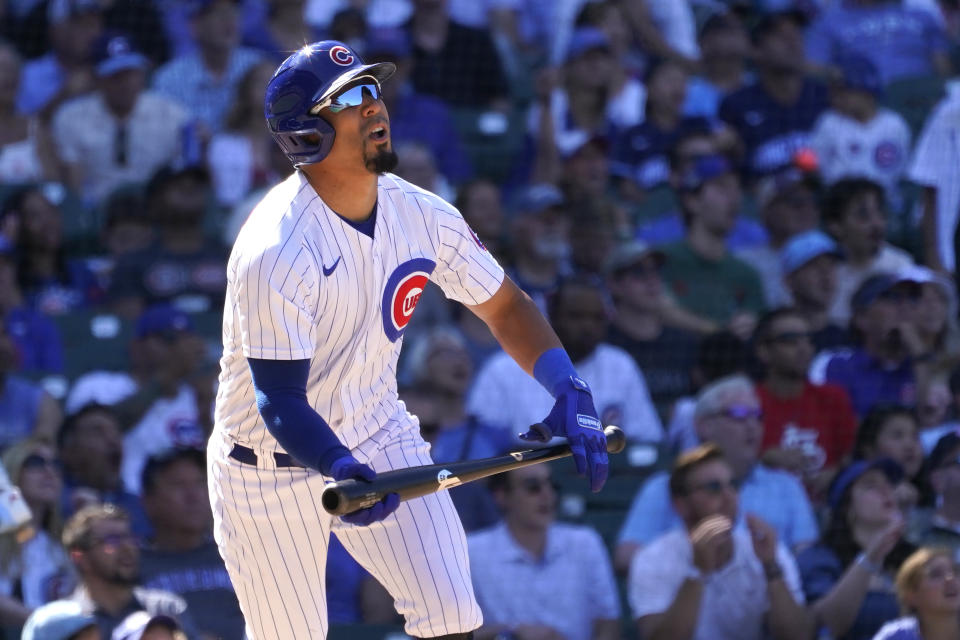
(820, 421)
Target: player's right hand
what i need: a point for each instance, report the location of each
(574, 417)
(347, 468)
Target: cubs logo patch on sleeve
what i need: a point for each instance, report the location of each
(402, 293)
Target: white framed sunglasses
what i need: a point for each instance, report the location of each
(352, 97)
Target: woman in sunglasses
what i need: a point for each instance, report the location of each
(38, 570)
(848, 574)
(928, 588)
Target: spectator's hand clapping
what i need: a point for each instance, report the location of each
(764, 539)
(712, 541)
(884, 543)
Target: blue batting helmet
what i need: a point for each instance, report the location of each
(304, 80)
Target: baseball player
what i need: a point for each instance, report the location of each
(322, 280)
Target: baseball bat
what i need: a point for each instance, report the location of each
(347, 496)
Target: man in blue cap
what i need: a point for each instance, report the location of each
(119, 133)
(808, 262)
(858, 137)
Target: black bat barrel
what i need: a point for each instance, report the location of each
(347, 496)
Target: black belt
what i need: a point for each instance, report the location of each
(247, 455)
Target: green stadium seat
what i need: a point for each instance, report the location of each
(94, 340)
(491, 142)
(914, 98)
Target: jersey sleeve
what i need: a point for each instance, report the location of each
(932, 152)
(466, 272)
(275, 302)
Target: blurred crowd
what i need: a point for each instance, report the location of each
(739, 216)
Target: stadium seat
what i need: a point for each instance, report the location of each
(93, 340)
(913, 98)
(491, 141)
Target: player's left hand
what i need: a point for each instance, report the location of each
(574, 417)
(347, 468)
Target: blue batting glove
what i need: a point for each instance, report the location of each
(574, 417)
(346, 468)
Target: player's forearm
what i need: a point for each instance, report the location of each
(518, 325)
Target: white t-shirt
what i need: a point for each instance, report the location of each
(936, 163)
(43, 569)
(505, 395)
(734, 600)
(877, 150)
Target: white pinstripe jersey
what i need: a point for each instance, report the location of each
(302, 283)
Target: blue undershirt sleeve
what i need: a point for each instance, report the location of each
(281, 390)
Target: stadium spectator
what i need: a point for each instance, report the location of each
(940, 526)
(892, 432)
(26, 154)
(36, 338)
(52, 282)
(66, 70)
(710, 579)
(857, 137)
(933, 168)
(787, 202)
(808, 429)
(25, 408)
(728, 415)
(670, 226)
(855, 215)
(848, 575)
(588, 98)
(453, 62)
(808, 262)
(37, 570)
(882, 368)
(441, 373)
(90, 443)
(527, 580)
(418, 166)
(205, 82)
(61, 620)
(702, 274)
(664, 353)
(480, 202)
(143, 626)
(599, 223)
(138, 131)
(239, 156)
(719, 355)
(182, 557)
(540, 229)
(416, 116)
(902, 42)
(775, 114)
(504, 396)
(126, 228)
(664, 29)
(185, 266)
(930, 435)
(929, 598)
(105, 553)
(640, 153)
(725, 48)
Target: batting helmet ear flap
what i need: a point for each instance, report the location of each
(309, 144)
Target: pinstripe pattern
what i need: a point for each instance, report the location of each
(269, 525)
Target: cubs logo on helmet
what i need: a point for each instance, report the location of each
(402, 293)
(341, 55)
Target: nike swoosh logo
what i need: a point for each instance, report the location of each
(328, 270)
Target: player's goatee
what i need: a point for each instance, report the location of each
(383, 161)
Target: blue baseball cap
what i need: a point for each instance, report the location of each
(877, 285)
(804, 247)
(859, 73)
(586, 39)
(703, 169)
(160, 318)
(538, 198)
(845, 479)
(57, 620)
(114, 52)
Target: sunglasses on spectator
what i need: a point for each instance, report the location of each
(740, 412)
(714, 487)
(111, 541)
(37, 461)
(352, 97)
(790, 336)
(534, 486)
